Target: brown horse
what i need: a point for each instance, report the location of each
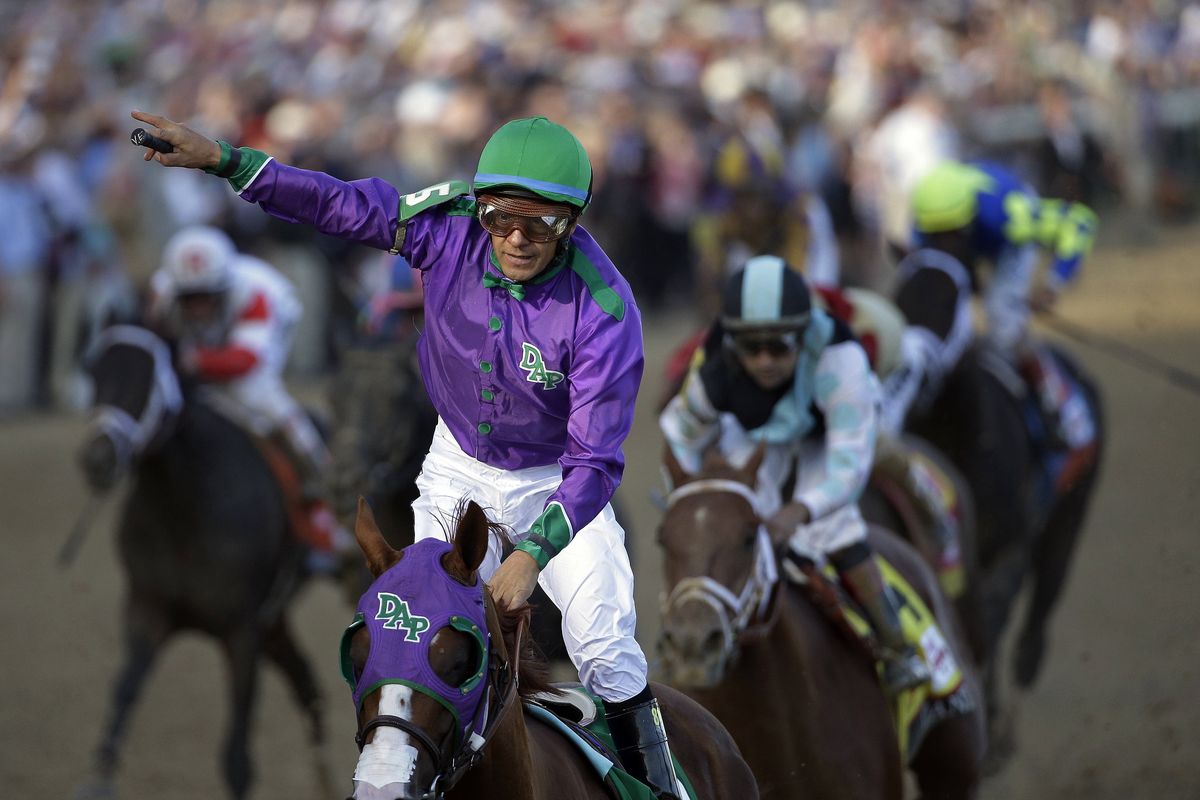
(510, 754)
(799, 697)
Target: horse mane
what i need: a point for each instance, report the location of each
(716, 467)
(533, 674)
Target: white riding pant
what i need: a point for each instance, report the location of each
(1007, 298)
(590, 580)
(260, 402)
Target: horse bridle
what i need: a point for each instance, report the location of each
(735, 612)
(501, 685)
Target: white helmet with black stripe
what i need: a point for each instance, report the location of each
(766, 295)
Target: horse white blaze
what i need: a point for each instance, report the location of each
(390, 757)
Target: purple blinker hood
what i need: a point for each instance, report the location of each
(404, 609)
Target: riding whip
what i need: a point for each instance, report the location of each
(70, 547)
(1144, 361)
(141, 138)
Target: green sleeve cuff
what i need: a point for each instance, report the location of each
(548, 535)
(251, 164)
(239, 165)
(222, 165)
(534, 549)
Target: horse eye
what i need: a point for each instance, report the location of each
(473, 661)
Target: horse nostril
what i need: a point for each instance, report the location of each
(713, 642)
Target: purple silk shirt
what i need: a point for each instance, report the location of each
(519, 382)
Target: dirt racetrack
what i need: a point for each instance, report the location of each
(1114, 715)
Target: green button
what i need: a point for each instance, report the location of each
(487, 394)
(485, 366)
(494, 323)
(484, 428)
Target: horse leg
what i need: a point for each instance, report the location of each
(280, 648)
(1051, 559)
(241, 652)
(1001, 716)
(146, 628)
(949, 764)
(999, 588)
(998, 592)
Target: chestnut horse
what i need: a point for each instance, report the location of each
(411, 746)
(800, 698)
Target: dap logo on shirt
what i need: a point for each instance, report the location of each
(531, 362)
(394, 610)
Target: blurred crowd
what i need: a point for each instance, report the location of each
(685, 108)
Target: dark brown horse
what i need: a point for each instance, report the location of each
(204, 543)
(800, 698)
(514, 755)
(1029, 520)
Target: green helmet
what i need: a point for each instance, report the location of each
(538, 156)
(947, 197)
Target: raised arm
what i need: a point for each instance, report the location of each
(364, 211)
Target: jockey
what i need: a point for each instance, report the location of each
(231, 316)
(532, 355)
(777, 372)
(982, 211)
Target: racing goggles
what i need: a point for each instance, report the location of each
(539, 222)
(776, 345)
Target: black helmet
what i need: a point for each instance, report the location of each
(766, 295)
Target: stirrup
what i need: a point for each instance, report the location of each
(903, 669)
(641, 744)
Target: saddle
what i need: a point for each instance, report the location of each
(915, 711)
(296, 501)
(579, 716)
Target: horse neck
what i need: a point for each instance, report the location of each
(770, 665)
(963, 410)
(505, 771)
(172, 451)
(199, 444)
(791, 694)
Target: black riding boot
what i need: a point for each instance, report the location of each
(903, 666)
(641, 741)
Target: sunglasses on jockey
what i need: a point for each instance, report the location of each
(776, 345)
(538, 221)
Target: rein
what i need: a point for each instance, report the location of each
(735, 612)
(503, 670)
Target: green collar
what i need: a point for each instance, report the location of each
(517, 288)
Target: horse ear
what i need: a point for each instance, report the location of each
(675, 471)
(381, 556)
(470, 544)
(750, 471)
